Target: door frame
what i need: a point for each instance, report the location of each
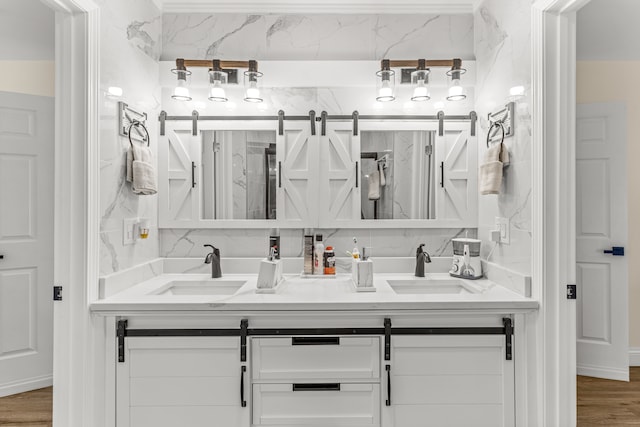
(554, 208)
(79, 386)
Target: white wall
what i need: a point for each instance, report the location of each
(503, 60)
(29, 24)
(129, 53)
(598, 81)
(27, 47)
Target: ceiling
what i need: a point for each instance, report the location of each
(316, 6)
(608, 30)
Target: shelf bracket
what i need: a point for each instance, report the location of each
(121, 333)
(387, 339)
(508, 334)
(244, 326)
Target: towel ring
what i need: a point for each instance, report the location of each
(138, 124)
(495, 124)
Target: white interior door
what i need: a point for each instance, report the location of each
(601, 223)
(26, 242)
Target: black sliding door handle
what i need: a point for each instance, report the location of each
(388, 369)
(243, 402)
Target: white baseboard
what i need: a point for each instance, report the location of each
(603, 372)
(634, 356)
(25, 385)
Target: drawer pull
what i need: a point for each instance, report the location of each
(315, 341)
(317, 387)
(388, 368)
(243, 402)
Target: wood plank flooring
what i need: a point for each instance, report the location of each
(600, 403)
(31, 409)
(609, 403)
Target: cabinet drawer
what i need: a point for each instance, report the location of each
(315, 358)
(316, 404)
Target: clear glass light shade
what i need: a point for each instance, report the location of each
(217, 80)
(386, 83)
(251, 86)
(419, 82)
(181, 91)
(456, 91)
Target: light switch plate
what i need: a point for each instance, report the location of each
(502, 225)
(129, 232)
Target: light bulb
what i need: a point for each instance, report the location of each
(252, 93)
(456, 91)
(385, 93)
(217, 93)
(420, 93)
(181, 92)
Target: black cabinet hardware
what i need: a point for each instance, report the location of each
(387, 339)
(388, 369)
(243, 402)
(316, 387)
(279, 174)
(193, 174)
(315, 341)
(572, 292)
(442, 174)
(121, 332)
(356, 174)
(244, 325)
(508, 332)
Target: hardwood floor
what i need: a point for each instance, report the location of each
(600, 403)
(609, 403)
(32, 409)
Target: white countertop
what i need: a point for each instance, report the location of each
(318, 294)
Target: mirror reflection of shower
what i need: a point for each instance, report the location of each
(397, 175)
(239, 174)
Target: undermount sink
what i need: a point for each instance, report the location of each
(430, 286)
(200, 287)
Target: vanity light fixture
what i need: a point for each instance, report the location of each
(218, 78)
(456, 91)
(419, 82)
(419, 78)
(386, 82)
(181, 91)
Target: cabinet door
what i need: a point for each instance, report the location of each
(178, 172)
(457, 184)
(181, 381)
(454, 381)
(339, 186)
(297, 192)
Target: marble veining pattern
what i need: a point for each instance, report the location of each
(130, 49)
(307, 37)
(503, 60)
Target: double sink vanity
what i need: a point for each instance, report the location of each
(188, 349)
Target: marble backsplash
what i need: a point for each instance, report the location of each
(380, 242)
(503, 60)
(316, 37)
(130, 50)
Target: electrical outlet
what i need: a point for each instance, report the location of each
(129, 231)
(502, 225)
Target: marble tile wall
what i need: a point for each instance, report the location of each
(130, 50)
(503, 59)
(316, 37)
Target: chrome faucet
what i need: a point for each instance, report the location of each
(422, 257)
(213, 258)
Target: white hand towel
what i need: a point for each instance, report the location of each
(140, 170)
(383, 180)
(491, 169)
(374, 186)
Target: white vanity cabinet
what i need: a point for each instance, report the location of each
(181, 381)
(449, 380)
